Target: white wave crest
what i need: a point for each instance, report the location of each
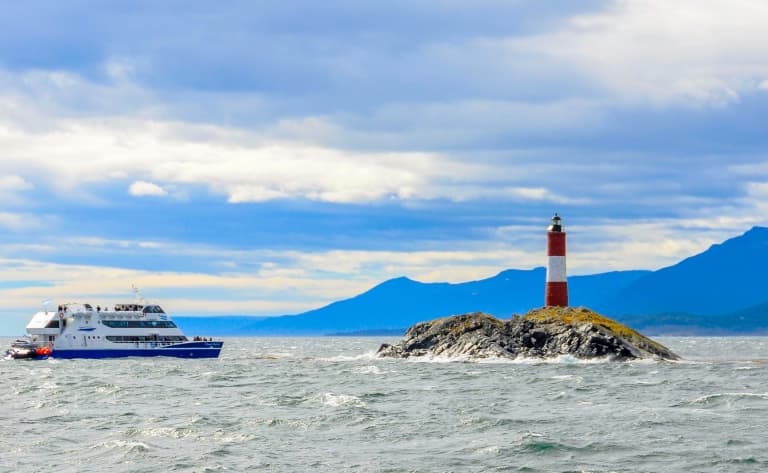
(371, 355)
(122, 445)
(489, 450)
(164, 432)
(370, 369)
(339, 400)
(277, 355)
(558, 360)
(718, 397)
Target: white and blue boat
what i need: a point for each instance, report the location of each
(81, 331)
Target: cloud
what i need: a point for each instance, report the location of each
(355, 142)
(757, 189)
(644, 244)
(20, 222)
(700, 52)
(243, 166)
(14, 183)
(143, 188)
(96, 155)
(13, 189)
(100, 284)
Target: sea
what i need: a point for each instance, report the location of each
(330, 405)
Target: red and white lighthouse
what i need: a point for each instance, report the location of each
(557, 282)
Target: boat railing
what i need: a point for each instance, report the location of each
(157, 343)
(154, 344)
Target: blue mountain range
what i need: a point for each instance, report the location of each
(719, 291)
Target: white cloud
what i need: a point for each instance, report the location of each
(11, 220)
(13, 189)
(143, 188)
(753, 206)
(22, 221)
(212, 294)
(649, 244)
(240, 165)
(14, 183)
(699, 51)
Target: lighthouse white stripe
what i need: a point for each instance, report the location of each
(556, 269)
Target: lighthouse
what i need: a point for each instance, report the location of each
(557, 283)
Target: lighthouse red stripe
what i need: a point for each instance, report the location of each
(557, 294)
(555, 244)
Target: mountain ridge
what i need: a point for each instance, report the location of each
(701, 294)
(707, 283)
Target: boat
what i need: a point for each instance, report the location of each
(81, 331)
(26, 348)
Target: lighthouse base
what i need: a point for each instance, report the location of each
(557, 294)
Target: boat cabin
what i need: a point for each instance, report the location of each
(44, 323)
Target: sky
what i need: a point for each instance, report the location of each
(267, 158)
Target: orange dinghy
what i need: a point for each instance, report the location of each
(43, 351)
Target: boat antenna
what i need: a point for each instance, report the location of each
(137, 293)
(46, 303)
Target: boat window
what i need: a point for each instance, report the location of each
(145, 338)
(153, 309)
(128, 307)
(139, 323)
(52, 324)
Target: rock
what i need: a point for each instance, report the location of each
(542, 333)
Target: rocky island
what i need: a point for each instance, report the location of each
(542, 333)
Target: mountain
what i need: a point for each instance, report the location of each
(215, 326)
(726, 277)
(719, 291)
(399, 303)
(750, 321)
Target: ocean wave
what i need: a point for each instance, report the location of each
(370, 369)
(161, 432)
(439, 359)
(124, 446)
(556, 360)
(108, 389)
(489, 450)
(50, 402)
(360, 413)
(278, 355)
(338, 400)
(719, 399)
(232, 437)
(371, 355)
(568, 377)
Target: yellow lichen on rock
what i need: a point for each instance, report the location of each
(471, 321)
(580, 315)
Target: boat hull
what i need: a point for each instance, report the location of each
(183, 350)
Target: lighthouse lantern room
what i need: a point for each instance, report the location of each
(557, 283)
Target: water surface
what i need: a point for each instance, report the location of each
(327, 404)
